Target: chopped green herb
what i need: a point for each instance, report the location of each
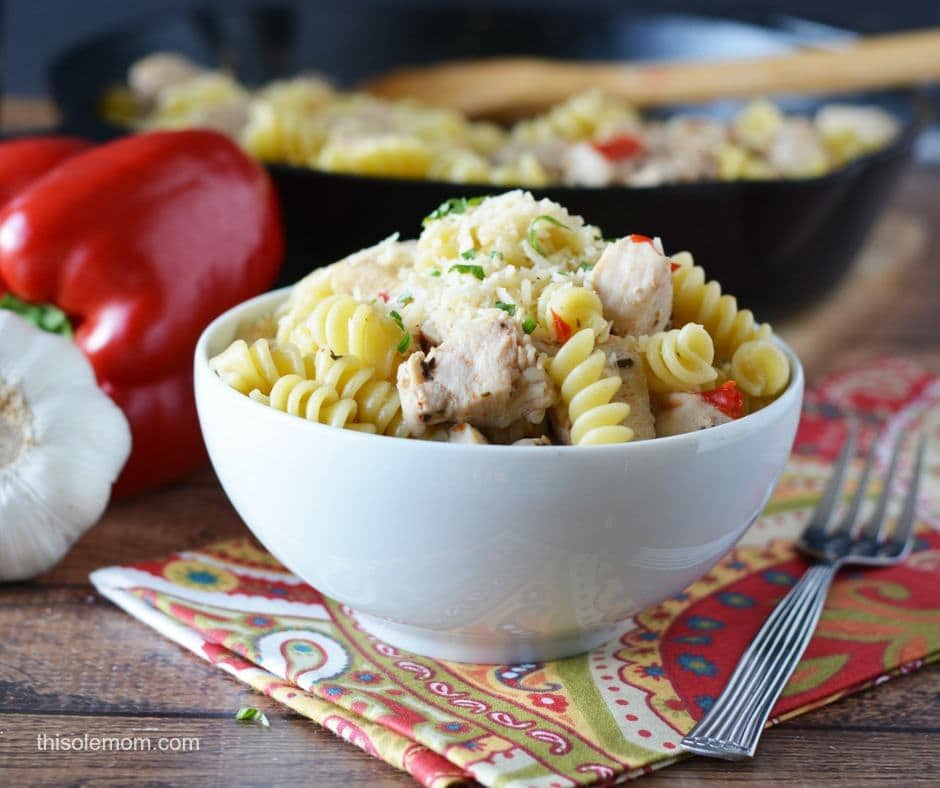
(405, 343)
(405, 298)
(598, 237)
(453, 205)
(251, 714)
(533, 237)
(496, 254)
(397, 318)
(611, 240)
(434, 272)
(529, 325)
(586, 266)
(469, 254)
(45, 316)
(462, 268)
(510, 309)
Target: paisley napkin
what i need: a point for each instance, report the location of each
(607, 716)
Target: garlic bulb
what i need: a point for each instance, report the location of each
(63, 442)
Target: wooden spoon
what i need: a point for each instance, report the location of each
(518, 86)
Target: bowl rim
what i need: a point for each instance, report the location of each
(728, 432)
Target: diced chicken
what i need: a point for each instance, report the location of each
(583, 165)
(682, 412)
(152, 74)
(482, 373)
(623, 361)
(464, 433)
(634, 281)
(798, 150)
(542, 441)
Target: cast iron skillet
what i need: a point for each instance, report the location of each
(776, 245)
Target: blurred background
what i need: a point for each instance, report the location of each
(35, 30)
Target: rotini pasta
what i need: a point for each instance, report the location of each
(696, 300)
(344, 326)
(378, 400)
(577, 369)
(310, 400)
(565, 308)
(257, 366)
(760, 368)
(678, 360)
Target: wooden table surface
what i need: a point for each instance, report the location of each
(71, 663)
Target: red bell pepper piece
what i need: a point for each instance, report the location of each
(619, 148)
(142, 242)
(24, 161)
(562, 329)
(726, 398)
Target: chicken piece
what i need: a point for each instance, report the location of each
(483, 373)
(464, 433)
(633, 279)
(152, 74)
(798, 151)
(681, 412)
(583, 165)
(542, 441)
(623, 361)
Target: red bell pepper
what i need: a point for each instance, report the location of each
(23, 161)
(142, 242)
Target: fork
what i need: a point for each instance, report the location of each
(732, 727)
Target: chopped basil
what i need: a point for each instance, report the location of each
(405, 298)
(469, 254)
(586, 266)
(533, 237)
(510, 309)
(453, 205)
(251, 714)
(529, 325)
(397, 318)
(434, 272)
(45, 316)
(404, 344)
(476, 270)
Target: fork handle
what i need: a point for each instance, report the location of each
(733, 725)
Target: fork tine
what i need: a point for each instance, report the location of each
(823, 513)
(875, 527)
(846, 524)
(904, 529)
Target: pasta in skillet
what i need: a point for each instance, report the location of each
(510, 320)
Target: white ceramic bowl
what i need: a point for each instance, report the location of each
(490, 554)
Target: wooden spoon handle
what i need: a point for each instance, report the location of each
(516, 86)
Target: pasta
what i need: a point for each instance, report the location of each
(564, 307)
(494, 325)
(591, 139)
(696, 300)
(577, 369)
(344, 326)
(760, 368)
(678, 360)
(308, 399)
(258, 366)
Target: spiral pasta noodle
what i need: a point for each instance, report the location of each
(678, 360)
(257, 366)
(378, 400)
(578, 369)
(574, 306)
(696, 300)
(760, 368)
(344, 326)
(310, 400)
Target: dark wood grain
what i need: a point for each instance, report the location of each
(73, 664)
